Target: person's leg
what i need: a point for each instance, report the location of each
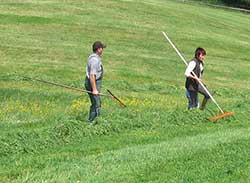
(92, 110)
(98, 98)
(189, 99)
(203, 104)
(192, 99)
(95, 108)
(202, 91)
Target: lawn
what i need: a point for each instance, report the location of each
(44, 132)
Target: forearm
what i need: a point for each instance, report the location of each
(192, 76)
(93, 83)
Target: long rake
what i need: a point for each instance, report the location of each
(111, 95)
(214, 118)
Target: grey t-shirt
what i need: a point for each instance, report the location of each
(94, 66)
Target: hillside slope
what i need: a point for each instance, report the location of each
(44, 134)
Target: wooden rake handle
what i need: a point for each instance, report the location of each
(111, 95)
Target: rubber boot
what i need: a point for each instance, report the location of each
(203, 104)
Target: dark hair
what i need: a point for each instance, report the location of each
(199, 51)
(97, 45)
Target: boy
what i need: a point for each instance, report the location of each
(196, 66)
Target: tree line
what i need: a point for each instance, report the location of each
(238, 3)
(235, 3)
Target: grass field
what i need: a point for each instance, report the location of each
(44, 134)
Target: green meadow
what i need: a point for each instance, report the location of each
(44, 134)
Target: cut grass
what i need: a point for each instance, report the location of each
(44, 133)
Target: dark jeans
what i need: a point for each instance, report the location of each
(95, 108)
(203, 92)
(192, 97)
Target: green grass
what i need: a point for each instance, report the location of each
(44, 133)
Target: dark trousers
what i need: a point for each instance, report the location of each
(202, 91)
(192, 97)
(95, 108)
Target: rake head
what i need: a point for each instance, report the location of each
(117, 99)
(223, 115)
